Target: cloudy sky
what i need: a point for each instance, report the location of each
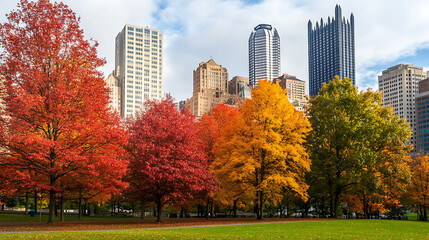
(388, 32)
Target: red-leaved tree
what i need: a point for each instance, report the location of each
(59, 125)
(167, 162)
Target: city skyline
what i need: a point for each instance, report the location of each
(382, 39)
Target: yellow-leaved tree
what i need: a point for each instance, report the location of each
(262, 151)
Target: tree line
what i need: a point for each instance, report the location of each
(58, 136)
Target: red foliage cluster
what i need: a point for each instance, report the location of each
(167, 159)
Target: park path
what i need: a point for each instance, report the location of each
(111, 226)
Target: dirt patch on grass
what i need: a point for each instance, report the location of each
(135, 224)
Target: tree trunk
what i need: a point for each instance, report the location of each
(158, 208)
(57, 206)
(86, 208)
(142, 209)
(52, 202)
(35, 201)
(26, 203)
(425, 216)
(207, 209)
(336, 203)
(198, 210)
(79, 216)
(235, 208)
(62, 209)
(261, 205)
(181, 212)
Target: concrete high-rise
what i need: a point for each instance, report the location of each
(138, 66)
(210, 87)
(399, 85)
(115, 92)
(264, 54)
(295, 89)
(331, 51)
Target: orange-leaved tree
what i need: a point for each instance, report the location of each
(418, 191)
(59, 126)
(263, 151)
(210, 127)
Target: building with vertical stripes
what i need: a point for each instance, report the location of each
(331, 50)
(264, 54)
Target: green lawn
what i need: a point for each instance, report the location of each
(412, 216)
(27, 218)
(341, 229)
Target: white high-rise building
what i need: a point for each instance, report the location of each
(264, 54)
(138, 67)
(399, 85)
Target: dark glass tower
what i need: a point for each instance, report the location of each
(331, 51)
(264, 54)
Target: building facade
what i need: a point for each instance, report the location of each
(264, 54)
(236, 83)
(113, 84)
(295, 90)
(210, 87)
(138, 66)
(422, 118)
(331, 51)
(399, 85)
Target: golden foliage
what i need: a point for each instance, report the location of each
(261, 151)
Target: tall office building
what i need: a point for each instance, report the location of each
(264, 54)
(331, 51)
(422, 118)
(399, 85)
(295, 90)
(210, 87)
(138, 66)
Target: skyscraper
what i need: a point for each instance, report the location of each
(331, 51)
(210, 87)
(400, 85)
(422, 118)
(138, 66)
(264, 54)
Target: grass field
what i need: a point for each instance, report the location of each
(27, 218)
(337, 229)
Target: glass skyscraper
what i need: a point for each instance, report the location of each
(264, 54)
(331, 51)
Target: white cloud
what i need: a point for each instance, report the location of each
(195, 30)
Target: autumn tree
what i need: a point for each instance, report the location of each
(356, 145)
(262, 150)
(210, 127)
(167, 160)
(60, 126)
(418, 191)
